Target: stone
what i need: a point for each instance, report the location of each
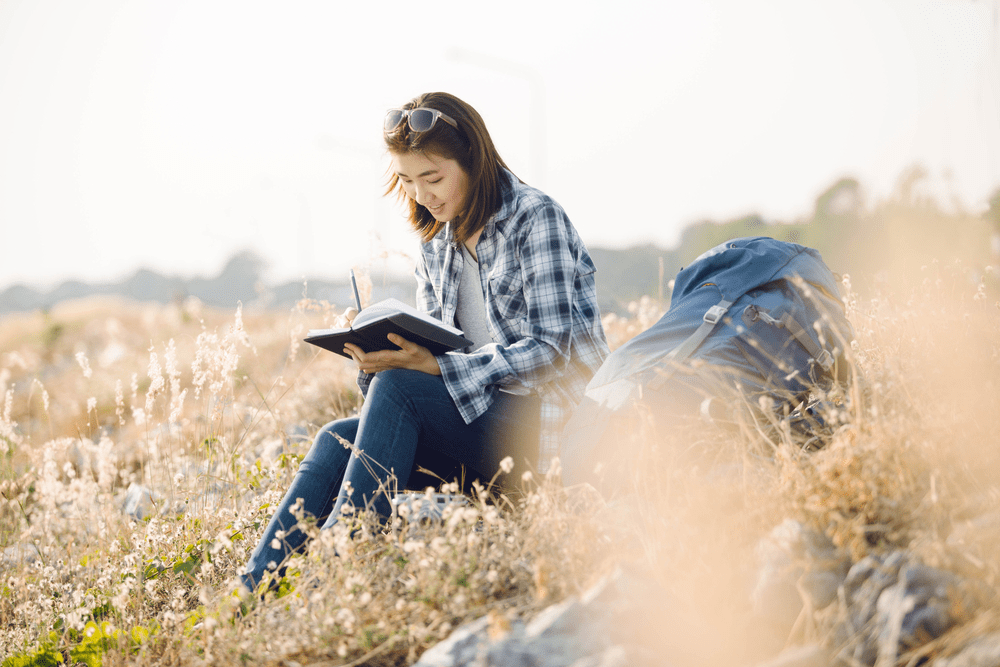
(465, 646)
(981, 652)
(896, 604)
(607, 626)
(797, 566)
(139, 502)
(20, 554)
(615, 656)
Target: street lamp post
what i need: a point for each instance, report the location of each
(536, 84)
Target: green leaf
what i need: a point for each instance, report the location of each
(45, 656)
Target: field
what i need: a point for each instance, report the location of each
(143, 447)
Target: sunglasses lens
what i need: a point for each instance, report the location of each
(422, 120)
(393, 119)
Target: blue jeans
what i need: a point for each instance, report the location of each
(408, 420)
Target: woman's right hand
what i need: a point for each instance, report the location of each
(345, 319)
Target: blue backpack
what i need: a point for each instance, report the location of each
(750, 318)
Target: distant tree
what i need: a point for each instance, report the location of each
(841, 200)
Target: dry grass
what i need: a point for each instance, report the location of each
(211, 412)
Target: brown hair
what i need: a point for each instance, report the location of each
(469, 145)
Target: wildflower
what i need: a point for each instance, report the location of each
(81, 359)
(411, 546)
(119, 402)
(506, 465)
(45, 394)
(156, 381)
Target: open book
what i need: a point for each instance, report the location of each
(374, 323)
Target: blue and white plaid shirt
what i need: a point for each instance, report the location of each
(541, 309)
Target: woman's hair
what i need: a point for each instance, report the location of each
(469, 145)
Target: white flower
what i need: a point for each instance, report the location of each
(81, 359)
(507, 465)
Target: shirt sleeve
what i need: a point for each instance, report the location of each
(530, 299)
(427, 300)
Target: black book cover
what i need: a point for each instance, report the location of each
(370, 332)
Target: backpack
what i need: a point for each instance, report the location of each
(751, 318)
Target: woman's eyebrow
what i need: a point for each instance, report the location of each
(421, 175)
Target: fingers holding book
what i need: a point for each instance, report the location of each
(410, 355)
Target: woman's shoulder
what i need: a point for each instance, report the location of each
(527, 207)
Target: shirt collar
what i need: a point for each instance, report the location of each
(508, 203)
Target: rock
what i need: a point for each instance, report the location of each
(420, 507)
(916, 609)
(139, 502)
(611, 625)
(270, 450)
(615, 656)
(981, 652)
(20, 554)
(465, 646)
(797, 566)
(820, 588)
(896, 604)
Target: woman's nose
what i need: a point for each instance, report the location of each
(423, 196)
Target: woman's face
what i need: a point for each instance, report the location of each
(438, 184)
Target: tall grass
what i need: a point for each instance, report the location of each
(204, 415)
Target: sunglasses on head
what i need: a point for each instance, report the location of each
(420, 119)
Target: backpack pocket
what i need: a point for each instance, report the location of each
(786, 368)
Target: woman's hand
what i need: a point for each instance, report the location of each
(347, 318)
(412, 356)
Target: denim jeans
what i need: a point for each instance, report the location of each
(408, 420)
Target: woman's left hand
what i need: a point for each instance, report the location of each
(412, 356)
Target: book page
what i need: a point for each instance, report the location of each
(391, 306)
(312, 333)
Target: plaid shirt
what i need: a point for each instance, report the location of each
(541, 309)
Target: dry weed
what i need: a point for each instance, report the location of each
(205, 415)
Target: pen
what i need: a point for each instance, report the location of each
(357, 297)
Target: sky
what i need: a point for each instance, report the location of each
(171, 134)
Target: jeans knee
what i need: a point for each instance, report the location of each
(395, 380)
(328, 451)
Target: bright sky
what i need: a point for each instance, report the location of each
(172, 133)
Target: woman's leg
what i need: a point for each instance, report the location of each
(407, 413)
(316, 484)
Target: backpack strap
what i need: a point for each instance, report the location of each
(792, 326)
(680, 353)
(821, 356)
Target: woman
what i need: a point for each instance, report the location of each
(499, 260)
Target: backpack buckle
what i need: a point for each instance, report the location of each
(714, 314)
(825, 360)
